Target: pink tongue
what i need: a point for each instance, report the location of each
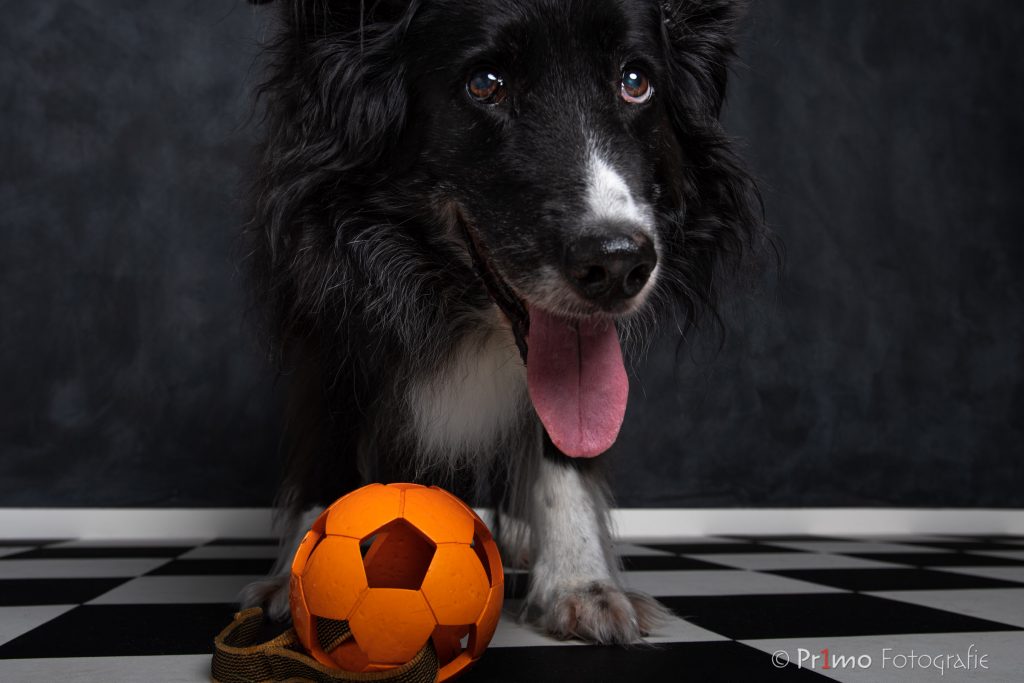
(577, 382)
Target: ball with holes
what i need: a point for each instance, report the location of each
(388, 570)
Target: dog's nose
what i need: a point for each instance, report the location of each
(610, 267)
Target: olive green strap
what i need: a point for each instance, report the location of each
(239, 658)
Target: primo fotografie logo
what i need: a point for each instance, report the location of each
(888, 658)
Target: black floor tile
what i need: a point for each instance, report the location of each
(244, 541)
(54, 591)
(966, 545)
(813, 615)
(782, 538)
(893, 579)
(993, 538)
(715, 662)
(124, 630)
(940, 559)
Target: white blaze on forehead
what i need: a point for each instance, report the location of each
(609, 199)
(608, 195)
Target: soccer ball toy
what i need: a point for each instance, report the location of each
(402, 565)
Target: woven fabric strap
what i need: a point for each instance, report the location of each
(238, 657)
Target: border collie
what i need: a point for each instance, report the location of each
(465, 215)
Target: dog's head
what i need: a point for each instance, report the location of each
(570, 148)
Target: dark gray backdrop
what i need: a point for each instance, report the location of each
(885, 369)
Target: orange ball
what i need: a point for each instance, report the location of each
(401, 564)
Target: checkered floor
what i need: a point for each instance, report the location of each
(937, 608)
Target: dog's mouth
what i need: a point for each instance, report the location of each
(574, 369)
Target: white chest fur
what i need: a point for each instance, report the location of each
(475, 402)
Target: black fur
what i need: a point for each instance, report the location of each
(374, 156)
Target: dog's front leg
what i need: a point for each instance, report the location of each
(574, 584)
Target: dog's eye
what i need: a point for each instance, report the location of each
(486, 86)
(636, 88)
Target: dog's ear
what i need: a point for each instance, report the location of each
(721, 206)
(334, 76)
(699, 40)
(334, 114)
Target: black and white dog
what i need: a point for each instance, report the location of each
(465, 214)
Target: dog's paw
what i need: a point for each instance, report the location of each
(271, 594)
(600, 612)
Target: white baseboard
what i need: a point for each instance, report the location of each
(818, 521)
(195, 523)
(191, 523)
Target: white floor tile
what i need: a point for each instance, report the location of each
(17, 620)
(1002, 649)
(717, 582)
(162, 669)
(1004, 605)
(154, 590)
(130, 543)
(681, 631)
(510, 633)
(772, 561)
(79, 568)
(230, 552)
(640, 551)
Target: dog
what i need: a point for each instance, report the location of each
(464, 217)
